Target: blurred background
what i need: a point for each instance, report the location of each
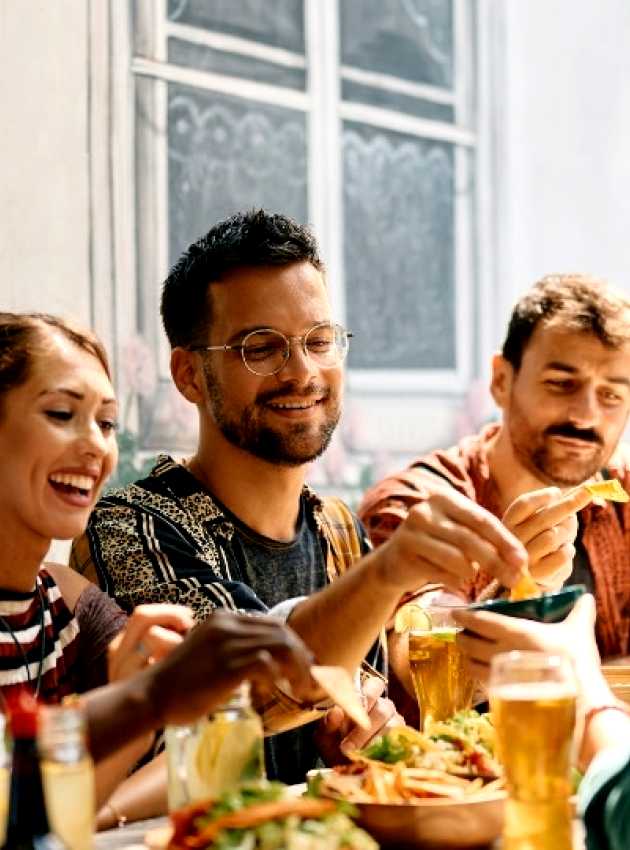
(447, 153)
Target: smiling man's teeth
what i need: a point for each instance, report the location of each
(295, 406)
(81, 482)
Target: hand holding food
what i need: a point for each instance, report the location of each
(545, 522)
(486, 634)
(219, 654)
(337, 733)
(445, 539)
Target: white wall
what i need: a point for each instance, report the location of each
(563, 126)
(44, 238)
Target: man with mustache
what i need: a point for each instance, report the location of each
(562, 381)
(256, 350)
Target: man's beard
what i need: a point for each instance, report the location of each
(535, 452)
(295, 446)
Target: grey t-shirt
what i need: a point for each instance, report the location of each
(278, 571)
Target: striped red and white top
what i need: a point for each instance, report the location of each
(49, 648)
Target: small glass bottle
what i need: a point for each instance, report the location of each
(216, 754)
(28, 827)
(68, 774)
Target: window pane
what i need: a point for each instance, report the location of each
(203, 58)
(412, 39)
(399, 250)
(227, 154)
(279, 23)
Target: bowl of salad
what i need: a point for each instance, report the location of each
(441, 787)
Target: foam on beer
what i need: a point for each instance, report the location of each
(527, 691)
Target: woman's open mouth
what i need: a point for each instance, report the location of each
(76, 489)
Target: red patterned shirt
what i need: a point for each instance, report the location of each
(605, 528)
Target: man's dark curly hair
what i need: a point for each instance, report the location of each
(245, 240)
(570, 302)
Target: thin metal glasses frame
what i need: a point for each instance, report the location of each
(339, 329)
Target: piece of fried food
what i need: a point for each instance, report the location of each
(610, 490)
(525, 588)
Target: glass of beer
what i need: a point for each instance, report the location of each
(438, 669)
(533, 706)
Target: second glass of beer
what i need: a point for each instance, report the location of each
(533, 705)
(440, 677)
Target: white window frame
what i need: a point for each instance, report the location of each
(139, 299)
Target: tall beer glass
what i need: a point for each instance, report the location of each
(533, 704)
(440, 677)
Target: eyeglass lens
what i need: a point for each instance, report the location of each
(266, 352)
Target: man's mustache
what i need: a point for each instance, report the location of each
(588, 435)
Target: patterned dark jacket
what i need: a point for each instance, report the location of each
(165, 539)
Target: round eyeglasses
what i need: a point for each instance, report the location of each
(265, 351)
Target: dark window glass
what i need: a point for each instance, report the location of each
(398, 249)
(227, 154)
(411, 39)
(278, 23)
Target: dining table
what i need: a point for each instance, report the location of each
(131, 837)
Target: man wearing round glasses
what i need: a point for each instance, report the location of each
(255, 348)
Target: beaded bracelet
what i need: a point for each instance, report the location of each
(121, 820)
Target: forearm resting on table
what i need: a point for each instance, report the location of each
(110, 772)
(142, 795)
(340, 623)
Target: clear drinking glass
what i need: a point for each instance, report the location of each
(533, 705)
(439, 673)
(68, 775)
(215, 754)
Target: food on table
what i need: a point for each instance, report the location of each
(339, 686)
(525, 588)
(610, 490)
(451, 758)
(262, 817)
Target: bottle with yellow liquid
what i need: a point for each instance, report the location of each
(216, 754)
(68, 774)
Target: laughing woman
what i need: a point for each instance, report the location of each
(58, 447)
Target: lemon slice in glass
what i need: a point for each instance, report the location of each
(411, 617)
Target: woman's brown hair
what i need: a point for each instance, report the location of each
(24, 335)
